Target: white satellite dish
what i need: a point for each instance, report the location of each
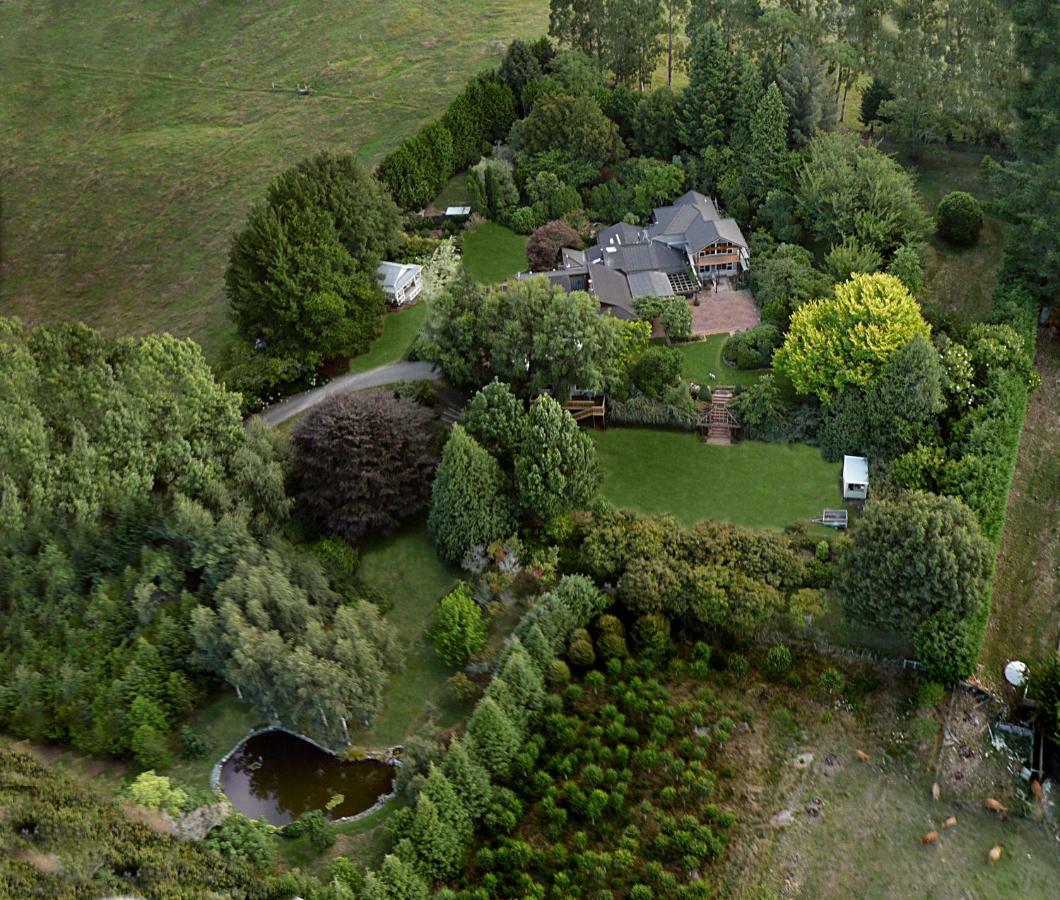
(1016, 673)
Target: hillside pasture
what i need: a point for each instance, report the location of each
(136, 135)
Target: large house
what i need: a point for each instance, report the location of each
(687, 245)
(401, 283)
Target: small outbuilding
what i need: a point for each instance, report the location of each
(401, 283)
(855, 478)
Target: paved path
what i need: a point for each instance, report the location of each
(280, 412)
(724, 312)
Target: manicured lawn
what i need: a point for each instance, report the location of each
(405, 568)
(492, 253)
(400, 328)
(760, 485)
(703, 358)
(222, 723)
(144, 130)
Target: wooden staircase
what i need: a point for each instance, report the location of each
(450, 415)
(718, 423)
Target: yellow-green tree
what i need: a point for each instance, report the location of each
(844, 340)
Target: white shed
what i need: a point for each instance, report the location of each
(855, 477)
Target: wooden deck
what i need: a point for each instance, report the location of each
(591, 412)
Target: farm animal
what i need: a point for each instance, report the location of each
(863, 756)
(949, 823)
(996, 806)
(995, 853)
(1036, 790)
(930, 838)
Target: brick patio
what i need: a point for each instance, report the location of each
(724, 312)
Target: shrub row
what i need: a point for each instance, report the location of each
(418, 168)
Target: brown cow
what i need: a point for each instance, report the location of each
(863, 756)
(929, 838)
(949, 823)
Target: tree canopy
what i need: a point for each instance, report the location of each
(361, 463)
(846, 339)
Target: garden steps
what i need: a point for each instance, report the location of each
(450, 416)
(718, 421)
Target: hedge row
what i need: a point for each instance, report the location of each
(418, 168)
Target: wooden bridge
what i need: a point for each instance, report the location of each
(592, 411)
(717, 423)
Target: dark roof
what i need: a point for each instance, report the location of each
(620, 233)
(703, 233)
(610, 286)
(649, 284)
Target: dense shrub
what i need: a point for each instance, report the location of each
(676, 410)
(751, 349)
(544, 246)
(960, 218)
(673, 313)
(919, 565)
(765, 414)
(361, 463)
(657, 371)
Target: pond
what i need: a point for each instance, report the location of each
(276, 776)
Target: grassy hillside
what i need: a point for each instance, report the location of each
(135, 135)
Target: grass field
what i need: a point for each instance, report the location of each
(1025, 610)
(702, 358)
(134, 136)
(492, 253)
(960, 279)
(405, 568)
(400, 328)
(760, 485)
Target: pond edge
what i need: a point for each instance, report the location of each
(391, 756)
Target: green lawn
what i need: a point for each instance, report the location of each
(400, 328)
(702, 358)
(136, 134)
(760, 485)
(492, 253)
(405, 568)
(960, 279)
(1025, 608)
(453, 194)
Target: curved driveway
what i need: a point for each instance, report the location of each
(280, 412)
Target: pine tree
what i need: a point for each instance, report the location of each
(807, 93)
(469, 504)
(438, 847)
(495, 418)
(450, 806)
(702, 109)
(556, 468)
(394, 880)
(492, 738)
(766, 162)
(537, 646)
(522, 677)
(459, 630)
(747, 79)
(468, 778)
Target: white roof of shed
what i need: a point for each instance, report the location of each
(855, 470)
(457, 210)
(396, 275)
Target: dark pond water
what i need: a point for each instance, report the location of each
(276, 776)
